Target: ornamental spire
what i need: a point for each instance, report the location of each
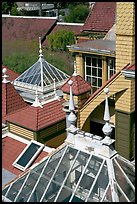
(40, 49)
(37, 103)
(107, 129)
(5, 76)
(72, 116)
(75, 69)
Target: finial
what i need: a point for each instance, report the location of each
(75, 69)
(37, 103)
(71, 100)
(72, 116)
(40, 49)
(107, 129)
(5, 76)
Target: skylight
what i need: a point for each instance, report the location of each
(28, 155)
(72, 175)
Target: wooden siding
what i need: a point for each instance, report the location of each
(125, 101)
(116, 86)
(125, 34)
(21, 131)
(124, 134)
(55, 142)
(52, 129)
(80, 65)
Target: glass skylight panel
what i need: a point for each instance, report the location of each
(70, 175)
(28, 155)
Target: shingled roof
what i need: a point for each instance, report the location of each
(101, 17)
(11, 149)
(80, 85)
(37, 118)
(26, 27)
(11, 100)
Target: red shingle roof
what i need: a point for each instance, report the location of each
(11, 149)
(26, 28)
(79, 85)
(101, 17)
(11, 100)
(36, 118)
(12, 74)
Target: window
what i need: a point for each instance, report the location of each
(28, 155)
(111, 67)
(93, 71)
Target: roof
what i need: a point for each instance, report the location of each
(12, 74)
(11, 100)
(79, 86)
(100, 46)
(131, 68)
(11, 149)
(37, 118)
(41, 74)
(101, 17)
(129, 72)
(15, 27)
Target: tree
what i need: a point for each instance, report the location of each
(60, 39)
(77, 14)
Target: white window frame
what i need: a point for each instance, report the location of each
(23, 168)
(92, 76)
(109, 68)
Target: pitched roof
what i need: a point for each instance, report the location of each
(36, 118)
(131, 68)
(15, 27)
(101, 17)
(11, 100)
(12, 74)
(11, 149)
(79, 86)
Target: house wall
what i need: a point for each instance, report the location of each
(125, 34)
(53, 135)
(125, 140)
(21, 131)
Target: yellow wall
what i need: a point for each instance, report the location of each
(125, 34)
(21, 131)
(80, 65)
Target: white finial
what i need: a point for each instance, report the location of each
(5, 76)
(37, 103)
(40, 49)
(71, 100)
(107, 129)
(75, 69)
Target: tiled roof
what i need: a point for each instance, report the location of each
(11, 100)
(36, 118)
(26, 28)
(79, 85)
(11, 149)
(101, 18)
(12, 74)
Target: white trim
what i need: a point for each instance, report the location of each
(7, 15)
(15, 163)
(75, 24)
